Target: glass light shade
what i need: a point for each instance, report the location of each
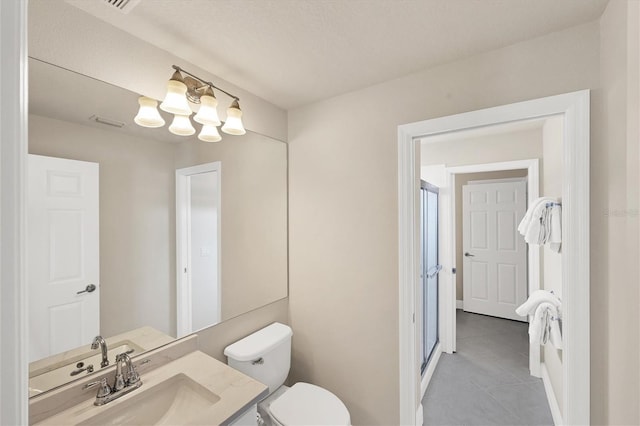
(148, 115)
(181, 126)
(209, 134)
(233, 125)
(175, 101)
(207, 114)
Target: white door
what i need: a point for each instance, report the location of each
(62, 254)
(495, 258)
(198, 251)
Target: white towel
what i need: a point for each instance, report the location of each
(526, 220)
(536, 298)
(545, 326)
(554, 232)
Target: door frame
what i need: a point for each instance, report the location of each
(575, 109)
(183, 243)
(533, 256)
(14, 368)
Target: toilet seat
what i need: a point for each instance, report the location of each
(307, 404)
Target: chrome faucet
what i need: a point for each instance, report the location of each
(122, 385)
(98, 341)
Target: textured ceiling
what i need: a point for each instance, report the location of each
(294, 52)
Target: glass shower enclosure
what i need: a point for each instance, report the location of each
(429, 271)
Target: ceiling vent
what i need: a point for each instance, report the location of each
(124, 6)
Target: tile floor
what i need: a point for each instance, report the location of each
(487, 381)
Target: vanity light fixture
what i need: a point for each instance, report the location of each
(191, 89)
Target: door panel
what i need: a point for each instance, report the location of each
(62, 254)
(495, 260)
(429, 271)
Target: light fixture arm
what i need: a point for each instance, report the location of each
(204, 82)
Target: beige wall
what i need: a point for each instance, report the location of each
(461, 180)
(614, 220)
(343, 207)
(510, 146)
(254, 217)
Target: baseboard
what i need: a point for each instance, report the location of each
(437, 351)
(419, 415)
(551, 396)
(459, 304)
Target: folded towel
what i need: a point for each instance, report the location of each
(545, 326)
(536, 298)
(541, 223)
(526, 220)
(554, 228)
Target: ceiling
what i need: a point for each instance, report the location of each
(295, 52)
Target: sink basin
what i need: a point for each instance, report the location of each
(61, 374)
(170, 402)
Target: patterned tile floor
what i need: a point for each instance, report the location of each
(487, 381)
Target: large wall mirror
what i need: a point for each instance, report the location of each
(138, 235)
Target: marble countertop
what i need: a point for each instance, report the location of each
(236, 392)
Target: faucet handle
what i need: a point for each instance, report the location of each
(104, 389)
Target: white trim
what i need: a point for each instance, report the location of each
(459, 304)
(408, 252)
(551, 396)
(504, 180)
(575, 257)
(533, 256)
(13, 158)
(183, 243)
(431, 368)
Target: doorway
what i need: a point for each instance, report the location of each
(574, 110)
(198, 242)
(491, 254)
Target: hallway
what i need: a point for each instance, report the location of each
(487, 381)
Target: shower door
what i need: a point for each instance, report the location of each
(430, 269)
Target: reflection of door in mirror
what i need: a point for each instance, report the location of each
(198, 221)
(62, 254)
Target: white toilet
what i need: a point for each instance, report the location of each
(266, 356)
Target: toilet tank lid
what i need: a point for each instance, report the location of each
(259, 343)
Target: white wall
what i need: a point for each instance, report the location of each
(344, 198)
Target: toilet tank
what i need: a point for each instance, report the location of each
(264, 355)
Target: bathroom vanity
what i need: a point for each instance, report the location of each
(180, 385)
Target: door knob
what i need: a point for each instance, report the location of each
(467, 254)
(89, 289)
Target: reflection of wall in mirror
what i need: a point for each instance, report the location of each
(137, 211)
(137, 255)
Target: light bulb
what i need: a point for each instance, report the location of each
(233, 125)
(207, 114)
(209, 134)
(181, 126)
(148, 114)
(175, 101)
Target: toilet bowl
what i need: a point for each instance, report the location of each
(266, 356)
